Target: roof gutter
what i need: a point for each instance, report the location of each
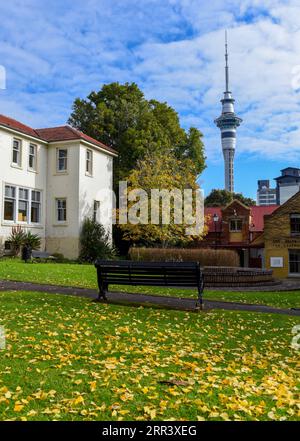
(19, 132)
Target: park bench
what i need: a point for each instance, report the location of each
(167, 274)
(42, 255)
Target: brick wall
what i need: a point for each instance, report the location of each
(277, 235)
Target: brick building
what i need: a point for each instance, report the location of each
(281, 239)
(236, 226)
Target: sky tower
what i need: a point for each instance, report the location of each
(227, 123)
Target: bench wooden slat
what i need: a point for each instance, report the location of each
(173, 274)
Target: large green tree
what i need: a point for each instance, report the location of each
(120, 116)
(220, 198)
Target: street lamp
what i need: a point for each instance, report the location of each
(216, 220)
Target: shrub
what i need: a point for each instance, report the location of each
(94, 242)
(19, 239)
(206, 257)
(59, 258)
(16, 239)
(32, 241)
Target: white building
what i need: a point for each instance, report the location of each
(50, 180)
(265, 194)
(288, 184)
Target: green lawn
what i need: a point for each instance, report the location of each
(68, 358)
(85, 276)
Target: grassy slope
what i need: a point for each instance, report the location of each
(69, 358)
(85, 276)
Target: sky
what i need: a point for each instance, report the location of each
(54, 51)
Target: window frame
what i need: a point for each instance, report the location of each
(10, 198)
(96, 211)
(58, 158)
(34, 168)
(23, 200)
(89, 162)
(39, 203)
(294, 262)
(57, 208)
(235, 230)
(17, 199)
(295, 216)
(17, 164)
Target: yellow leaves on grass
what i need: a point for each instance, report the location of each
(93, 385)
(76, 401)
(150, 412)
(92, 361)
(18, 407)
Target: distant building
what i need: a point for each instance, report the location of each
(235, 227)
(288, 184)
(281, 239)
(265, 194)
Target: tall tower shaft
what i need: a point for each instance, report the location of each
(227, 122)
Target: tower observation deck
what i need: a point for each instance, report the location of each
(227, 123)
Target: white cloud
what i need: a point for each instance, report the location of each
(172, 49)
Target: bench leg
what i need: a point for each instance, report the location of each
(102, 292)
(200, 303)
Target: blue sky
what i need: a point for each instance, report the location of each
(57, 50)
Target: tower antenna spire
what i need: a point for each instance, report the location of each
(226, 64)
(228, 122)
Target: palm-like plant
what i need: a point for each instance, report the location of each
(32, 241)
(17, 239)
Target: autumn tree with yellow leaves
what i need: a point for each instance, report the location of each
(152, 219)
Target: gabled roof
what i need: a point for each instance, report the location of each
(236, 201)
(13, 124)
(257, 213)
(52, 134)
(286, 203)
(68, 133)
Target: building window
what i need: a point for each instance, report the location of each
(294, 258)
(295, 224)
(61, 210)
(32, 159)
(17, 150)
(7, 246)
(62, 160)
(96, 211)
(89, 162)
(9, 203)
(23, 205)
(235, 225)
(35, 212)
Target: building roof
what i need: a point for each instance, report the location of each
(284, 177)
(52, 134)
(68, 133)
(289, 168)
(11, 123)
(257, 212)
(286, 203)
